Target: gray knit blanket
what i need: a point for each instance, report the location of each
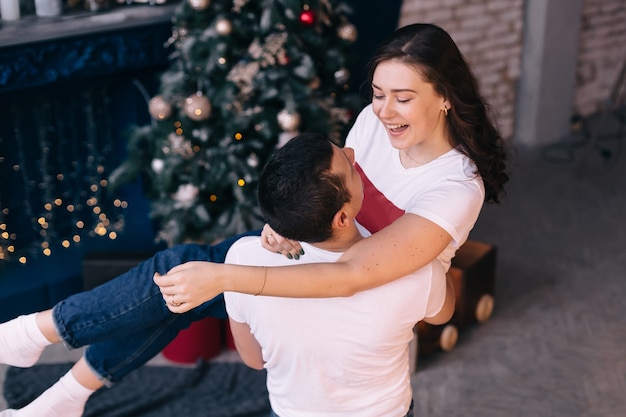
(213, 389)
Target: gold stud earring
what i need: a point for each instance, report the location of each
(445, 111)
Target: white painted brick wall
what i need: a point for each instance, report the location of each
(601, 55)
(490, 33)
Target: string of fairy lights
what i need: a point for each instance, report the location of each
(54, 159)
(55, 162)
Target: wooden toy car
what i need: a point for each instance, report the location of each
(472, 272)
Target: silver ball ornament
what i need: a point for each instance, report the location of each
(347, 32)
(253, 160)
(157, 165)
(199, 4)
(223, 27)
(342, 76)
(288, 121)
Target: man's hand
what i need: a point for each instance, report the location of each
(276, 243)
(188, 285)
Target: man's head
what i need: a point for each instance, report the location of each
(304, 185)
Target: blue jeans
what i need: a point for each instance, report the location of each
(125, 321)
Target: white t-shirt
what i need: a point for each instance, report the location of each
(331, 357)
(446, 191)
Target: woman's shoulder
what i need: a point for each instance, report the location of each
(458, 166)
(451, 173)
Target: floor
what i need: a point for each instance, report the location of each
(555, 343)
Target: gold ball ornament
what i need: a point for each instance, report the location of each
(288, 121)
(347, 32)
(159, 109)
(199, 4)
(197, 107)
(223, 27)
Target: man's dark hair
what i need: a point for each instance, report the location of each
(297, 193)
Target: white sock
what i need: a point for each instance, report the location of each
(21, 341)
(66, 398)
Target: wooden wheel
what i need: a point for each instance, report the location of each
(448, 338)
(484, 308)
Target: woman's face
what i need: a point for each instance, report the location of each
(409, 107)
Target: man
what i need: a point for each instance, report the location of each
(341, 356)
(336, 356)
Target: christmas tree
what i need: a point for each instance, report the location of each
(246, 76)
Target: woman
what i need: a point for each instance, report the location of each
(425, 184)
(429, 157)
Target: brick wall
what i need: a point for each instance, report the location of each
(490, 33)
(602, 53)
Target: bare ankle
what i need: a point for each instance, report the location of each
(46, 325)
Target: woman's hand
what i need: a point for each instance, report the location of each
(188, 285)
(276, 243)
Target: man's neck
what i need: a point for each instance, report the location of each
(341, 241)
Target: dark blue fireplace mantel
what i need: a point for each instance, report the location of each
(52, 63)
(37, 51)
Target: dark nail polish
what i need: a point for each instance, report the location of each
(289, 256)
(301, 251)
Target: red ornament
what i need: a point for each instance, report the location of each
(307, 18)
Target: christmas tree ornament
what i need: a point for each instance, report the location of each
(180, 146)
(253, 160)
(342, 76)
(347, 32)
(288, 121)
(159, 109)
(223, 26)
(253, 65)
(307, 18)
(197, 107)
(199, 4)
(185, 195)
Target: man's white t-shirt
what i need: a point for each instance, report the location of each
(349, 356)
(331, 357)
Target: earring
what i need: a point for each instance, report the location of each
(445, 111)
